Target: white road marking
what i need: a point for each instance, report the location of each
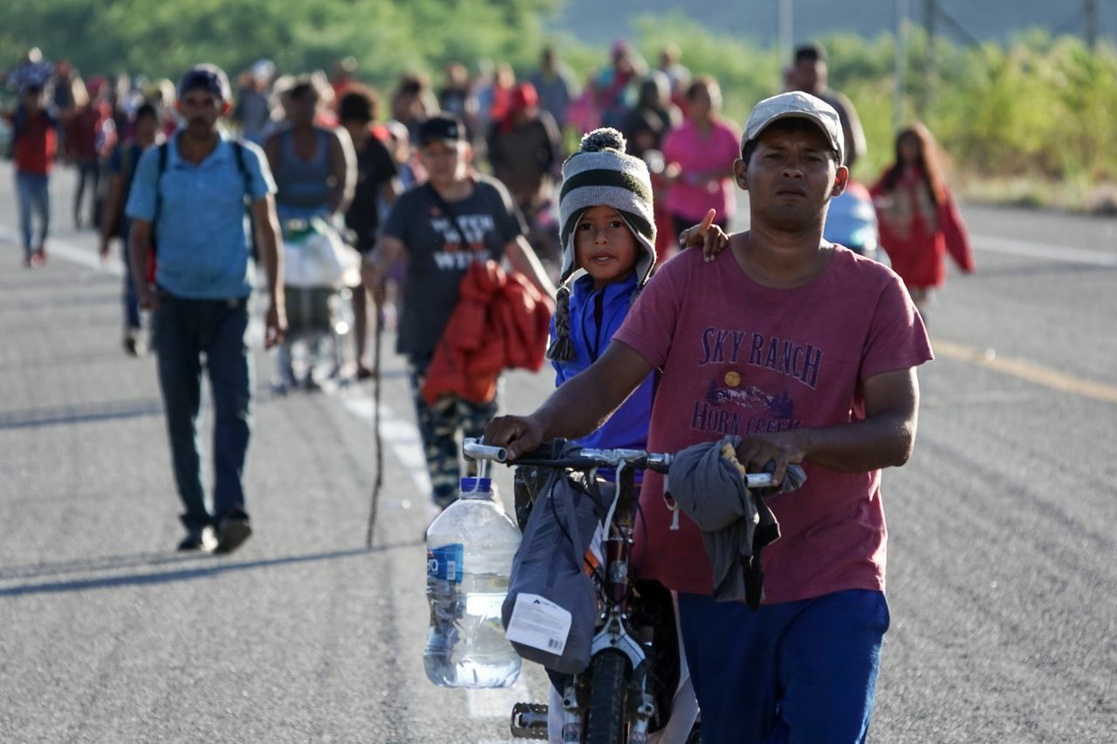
(1044, 251)
(398, 433)
(58, 248)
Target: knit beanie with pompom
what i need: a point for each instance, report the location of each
(601, 173)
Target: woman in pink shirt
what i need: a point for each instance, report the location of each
(700, 155)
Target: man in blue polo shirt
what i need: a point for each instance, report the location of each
(193, 207)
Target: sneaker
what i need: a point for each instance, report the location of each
(202, 540)
(133, 342)
(41, 254)
(232, 531)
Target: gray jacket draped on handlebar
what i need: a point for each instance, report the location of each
(707, 482)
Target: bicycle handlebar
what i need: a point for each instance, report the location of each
(473, 449)
(586, 458)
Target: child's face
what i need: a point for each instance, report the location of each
(604, 246)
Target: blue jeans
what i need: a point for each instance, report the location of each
(799, 672)
(89, 174)
(33, 193)
(184, 330)
(131, 298)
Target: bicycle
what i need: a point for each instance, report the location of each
(624, 688)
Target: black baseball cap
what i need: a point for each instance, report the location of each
(209, 78)
(813, 51)
(441, 128)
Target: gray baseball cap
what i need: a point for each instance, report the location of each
(796, 104)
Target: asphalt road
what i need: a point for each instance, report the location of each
(1002, 579)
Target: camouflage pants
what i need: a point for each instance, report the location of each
(439, 426)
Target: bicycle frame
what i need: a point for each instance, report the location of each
(615, 632)
(612, 701)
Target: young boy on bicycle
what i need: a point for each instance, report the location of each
(808, 353)
(608, 240)
(607, 230)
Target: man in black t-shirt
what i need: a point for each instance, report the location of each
(456, 218)
(377, 188)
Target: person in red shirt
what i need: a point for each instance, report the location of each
(87, 135)
(919, 221)
(798, 351)
(34, 147)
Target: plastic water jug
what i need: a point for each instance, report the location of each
(469, 558)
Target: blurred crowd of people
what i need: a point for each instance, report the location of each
(520, 127)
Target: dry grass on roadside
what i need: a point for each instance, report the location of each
(1070, 196)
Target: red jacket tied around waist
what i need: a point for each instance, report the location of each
(501, 322)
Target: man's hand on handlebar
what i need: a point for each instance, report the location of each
(759, 452)
(518, 434)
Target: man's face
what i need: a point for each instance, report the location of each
(791, 175)
(146, 128)
(407, 106)
(302, 110)
(810, 74)
(446, 161)
(201, 110)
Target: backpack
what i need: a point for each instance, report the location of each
(548, 570)
(242, 167)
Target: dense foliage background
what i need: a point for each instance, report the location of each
(1029, 112)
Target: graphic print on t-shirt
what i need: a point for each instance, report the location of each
(734, 406)
(454, 256)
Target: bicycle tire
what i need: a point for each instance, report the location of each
(607, 705)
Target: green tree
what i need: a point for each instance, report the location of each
(1038, 107)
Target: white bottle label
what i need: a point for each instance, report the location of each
(539, 623)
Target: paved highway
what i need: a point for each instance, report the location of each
(1002, 579)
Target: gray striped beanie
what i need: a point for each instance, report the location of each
(602, 173)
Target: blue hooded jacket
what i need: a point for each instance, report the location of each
(628, 426)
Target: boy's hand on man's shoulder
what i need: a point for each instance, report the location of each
(705, 235)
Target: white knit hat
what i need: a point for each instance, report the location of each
(601, 173)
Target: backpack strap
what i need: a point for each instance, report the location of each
(449, 213)
(161, 160)
(242, 166)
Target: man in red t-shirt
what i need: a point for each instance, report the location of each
(34, 146)
(807, 353)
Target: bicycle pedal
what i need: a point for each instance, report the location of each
(529, 721)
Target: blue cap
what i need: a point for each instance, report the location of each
(482, 485)
(209, 78)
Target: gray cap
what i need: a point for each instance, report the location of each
(796, 104)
